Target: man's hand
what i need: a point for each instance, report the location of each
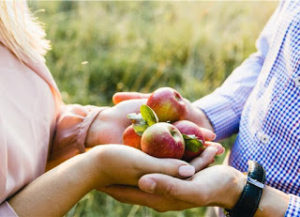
(214, 186)
(192, 113)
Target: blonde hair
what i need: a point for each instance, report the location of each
(21, 33)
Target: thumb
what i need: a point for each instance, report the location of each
(123, 96)
(169, 186)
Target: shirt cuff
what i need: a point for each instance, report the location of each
(6, 210)
(219, 110)
(294, 207)
(72, 128)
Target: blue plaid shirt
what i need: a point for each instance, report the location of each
(261, 101)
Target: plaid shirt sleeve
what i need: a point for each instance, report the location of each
(224, 106)
(294, 207)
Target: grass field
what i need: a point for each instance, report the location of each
(99, 48)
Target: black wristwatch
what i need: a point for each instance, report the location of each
(251, 195)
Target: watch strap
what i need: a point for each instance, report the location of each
(251, 195)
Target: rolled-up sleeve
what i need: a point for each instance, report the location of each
(294, 207)
(6, 210)
(71, 129)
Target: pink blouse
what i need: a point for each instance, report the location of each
(35, 125)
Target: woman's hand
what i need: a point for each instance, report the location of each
(61, 187)
(124, 165)
(192, 113)
(110, 124)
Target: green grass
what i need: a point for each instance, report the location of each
(140, 46)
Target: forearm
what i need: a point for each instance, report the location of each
(273, 203)
(56, 191)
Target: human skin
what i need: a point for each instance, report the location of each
(190, 128)
(98, 168)
(102, 166)
(110, 124)
(107, 128)
(192, 113)
(214, 186)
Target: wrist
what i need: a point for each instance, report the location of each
(96, 167)
(235, 188)
(229, 190)
(273, 203)
(100, 129)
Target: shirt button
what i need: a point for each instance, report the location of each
(297, 81)
(264, 138)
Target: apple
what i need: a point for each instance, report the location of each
(130, 138)
(167, 103)
(163, 140)
(190, 129)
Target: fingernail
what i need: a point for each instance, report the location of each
(213, 136)
(221, 150)
(186, 170)
(148, 185)
(213, 149)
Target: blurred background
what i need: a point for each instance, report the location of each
(99, 48)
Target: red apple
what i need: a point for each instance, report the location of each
(130, 138)
(190, 128)
(163, 140)
(167, 103)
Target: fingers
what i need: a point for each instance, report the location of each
(207, 156)
(123, 96)
(208, 134)
(218, 146)
(170, 187)
(133, 195)
(120, 111)
(145, 164)
(171, 167)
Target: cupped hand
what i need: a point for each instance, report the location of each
(110, 124)
(214, 186)
(162, 202)
(124, 165)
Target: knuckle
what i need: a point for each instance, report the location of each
(170, 189)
